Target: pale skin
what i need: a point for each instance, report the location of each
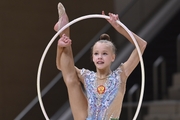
(102, 56)
(65, 63)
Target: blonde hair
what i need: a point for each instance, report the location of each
(105, 38)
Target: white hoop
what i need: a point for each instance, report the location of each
(69, 24)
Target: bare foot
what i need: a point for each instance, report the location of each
(63, 20)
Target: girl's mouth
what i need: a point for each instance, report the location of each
(100, 62)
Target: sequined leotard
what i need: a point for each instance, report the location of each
(100, 106)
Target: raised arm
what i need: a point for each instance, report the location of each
(133, 60)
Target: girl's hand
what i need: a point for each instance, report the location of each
(113, 19)
(64, 41)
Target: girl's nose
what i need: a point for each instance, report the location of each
(99, 56)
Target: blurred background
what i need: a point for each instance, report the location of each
(26, 27)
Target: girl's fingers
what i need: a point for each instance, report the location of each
(103, 13)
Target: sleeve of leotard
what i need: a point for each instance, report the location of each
(119, 70)
(83, 72)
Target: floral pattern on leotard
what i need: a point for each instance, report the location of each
(99, 104)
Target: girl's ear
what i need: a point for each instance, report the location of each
(113, 57)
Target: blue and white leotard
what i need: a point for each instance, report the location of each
(99, 105)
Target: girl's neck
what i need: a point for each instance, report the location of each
(102, 74)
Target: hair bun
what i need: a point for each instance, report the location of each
(105, 37)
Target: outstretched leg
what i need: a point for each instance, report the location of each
(65, 63)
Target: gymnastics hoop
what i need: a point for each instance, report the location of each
(69, 24)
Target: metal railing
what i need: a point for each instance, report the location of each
(178, 53)
(133, 90)
(159, 62)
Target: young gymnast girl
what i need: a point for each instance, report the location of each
(104, 88)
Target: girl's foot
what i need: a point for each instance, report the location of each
(63, 19)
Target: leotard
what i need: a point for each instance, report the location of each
(100, 104)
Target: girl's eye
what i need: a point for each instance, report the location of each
(95, 53)
(104, 53)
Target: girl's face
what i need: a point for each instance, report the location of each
(102, 55)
